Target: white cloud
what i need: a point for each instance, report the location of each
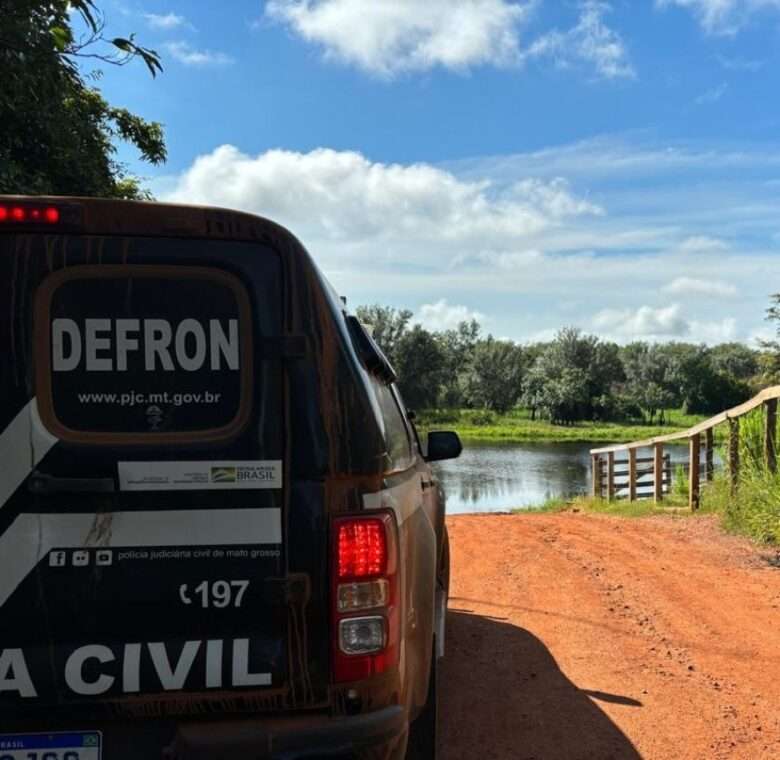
(713, 95)
(507, 237)
(442, 316)
(165, 21)
(591, 42)
(760, 335)
(644, 322)
(344, 196)
(190, 56)
(507, 260)
(723, 17)
(702, 244)
(722, 331)
(625, 158)
(698, 287)
(390, 36)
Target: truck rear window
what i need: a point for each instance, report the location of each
(143, 354)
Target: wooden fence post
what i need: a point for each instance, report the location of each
(632, 474)
(693, 472)
(610, 475)
(734, 454)
(596, 471)
(658, 472)
(709, 445)
(770, 432)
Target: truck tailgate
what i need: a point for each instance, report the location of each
(142, 546)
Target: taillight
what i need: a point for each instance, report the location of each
(28, 214)
(362, 549)
(31, 215)
(365, 596)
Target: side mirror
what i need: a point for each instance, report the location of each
(443, 445)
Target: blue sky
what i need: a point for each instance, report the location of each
(614, 165)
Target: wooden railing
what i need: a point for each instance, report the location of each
(613, 478)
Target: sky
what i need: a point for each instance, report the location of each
(613, 166)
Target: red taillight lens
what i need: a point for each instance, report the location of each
(362, 549)
(29, 214)
(366, 615)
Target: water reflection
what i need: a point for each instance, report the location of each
(503, 477)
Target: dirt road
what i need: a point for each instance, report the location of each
(581, 636)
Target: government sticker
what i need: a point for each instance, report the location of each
(199, 476)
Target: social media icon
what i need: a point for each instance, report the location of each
(80, 559)
(57, 559)
(104, 558)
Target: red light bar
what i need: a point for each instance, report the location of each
(362, 548)
(27, 214)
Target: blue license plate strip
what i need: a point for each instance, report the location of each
(73, 745)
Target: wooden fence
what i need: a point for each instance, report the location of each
(642, 477)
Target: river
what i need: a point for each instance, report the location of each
(497, 478)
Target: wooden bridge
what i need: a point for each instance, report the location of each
(628, 478)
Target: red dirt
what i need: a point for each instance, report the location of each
(584, 636)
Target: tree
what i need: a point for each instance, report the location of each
(558, 392)
(56, 132)
(421, 366)
(697, 384)
(458, 347)
(735, 360)
(534, 387)
(770, 359)
(496, 375)
(387, 325)
(650, 381)
(605, 373)
(572, 377)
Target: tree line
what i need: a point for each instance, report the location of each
(573, 377)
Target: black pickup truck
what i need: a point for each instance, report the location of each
(220, 536)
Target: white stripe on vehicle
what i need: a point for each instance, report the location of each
(32, 536)
(23, 444)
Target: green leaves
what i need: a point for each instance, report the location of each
(59, 133)
(123, 44)
(150, 57)
(146, 136)
(87, 10)
(62, 37)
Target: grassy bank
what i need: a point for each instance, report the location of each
(754, 512)
(477, 425)
(618, 508)
(754, 509)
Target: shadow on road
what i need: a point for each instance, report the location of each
(503, 697)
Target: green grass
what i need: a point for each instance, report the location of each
(753, 512)
(754, 509)
(618, 508)
(517, 427)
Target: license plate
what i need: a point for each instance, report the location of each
(61, 746)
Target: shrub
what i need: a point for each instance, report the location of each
(481, 417)
(755, 508)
